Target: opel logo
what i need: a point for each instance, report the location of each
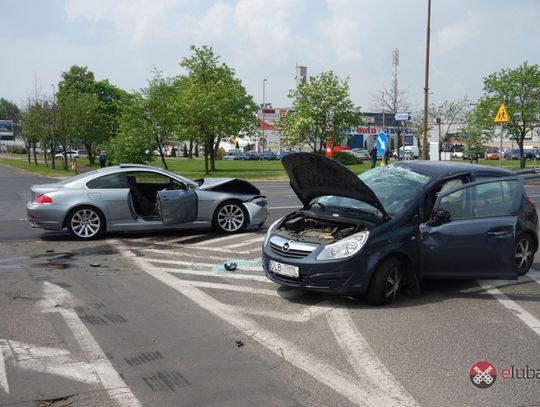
(286, 247)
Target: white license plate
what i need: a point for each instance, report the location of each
(283, 269)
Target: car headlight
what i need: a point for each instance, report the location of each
(270, 230)
(345, 247)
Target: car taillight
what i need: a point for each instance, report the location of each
(43, 200)
(531, 202)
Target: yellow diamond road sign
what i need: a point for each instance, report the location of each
(502, 115)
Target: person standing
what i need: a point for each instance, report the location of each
(386, 156)
(373, 156)
(102, 159)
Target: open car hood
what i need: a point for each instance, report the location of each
(230, 185)
(312, 175)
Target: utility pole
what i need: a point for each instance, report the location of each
(426, 85)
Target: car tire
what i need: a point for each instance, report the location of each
(523, 254)
(85, 223)
(385, 283)
(230, 217)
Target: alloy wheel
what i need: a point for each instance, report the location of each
(230, 218)
(392, 284)
(523, 255)
(85, 223)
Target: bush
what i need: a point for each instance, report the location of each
(346, 158)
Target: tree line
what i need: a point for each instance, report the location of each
(208, 104)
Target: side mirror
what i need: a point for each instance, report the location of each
(438, 217)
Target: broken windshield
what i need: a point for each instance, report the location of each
(395, 187)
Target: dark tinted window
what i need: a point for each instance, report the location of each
(117, 180)
(480, 201)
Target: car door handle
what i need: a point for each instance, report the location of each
(498, 233)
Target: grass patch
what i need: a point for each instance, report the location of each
(194, 168)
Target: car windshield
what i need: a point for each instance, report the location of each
(395, 186)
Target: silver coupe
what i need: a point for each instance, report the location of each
(132, 197)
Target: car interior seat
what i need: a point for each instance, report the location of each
(143, 206)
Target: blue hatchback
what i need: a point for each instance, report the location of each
(392, 226)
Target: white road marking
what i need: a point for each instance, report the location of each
(184, 238)
(284, 207)
(206, 273)
(240, 288)
(526, 317)
(326, 374)
(370, 370)
(204, 256)
(207, 248)
(196, 265)
(3, 376)
(252, 241)
(56, 361)
(59, 300)
(222, 239)
(305, 315)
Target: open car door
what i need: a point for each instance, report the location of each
(471, 233)
(177, 206)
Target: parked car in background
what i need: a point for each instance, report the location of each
(251, 155)
(492, 153)
(394, 225)
(514, 154)
(530, 154)
(71, 154)
(268, 155)
(131, 197)
(359, 153)
(474, 155)
(234, 154)
(282, 154)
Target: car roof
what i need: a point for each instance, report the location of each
(441, 169)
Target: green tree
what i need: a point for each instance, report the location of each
(96, 105)
(213, 104)
(35, 125)
(477, 131)
(519, 90)
(322, 110)
(149, 119)
(447, 115)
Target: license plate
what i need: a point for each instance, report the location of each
(283, 269)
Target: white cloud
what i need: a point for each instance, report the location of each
(139, 20)
(459, 33)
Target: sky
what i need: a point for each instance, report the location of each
(123, 41)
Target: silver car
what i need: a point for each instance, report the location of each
(132, 197)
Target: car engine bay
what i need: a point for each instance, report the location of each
(304, 228)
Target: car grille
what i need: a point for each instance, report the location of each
(290, 248)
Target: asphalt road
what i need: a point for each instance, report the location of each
(154, 320)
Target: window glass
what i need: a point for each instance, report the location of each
(484, 200)
(117, 180)
(144, 177)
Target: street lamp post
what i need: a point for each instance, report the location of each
(438, 121)
(262, 124)
(426, 84)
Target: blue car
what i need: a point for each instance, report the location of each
(387, 229)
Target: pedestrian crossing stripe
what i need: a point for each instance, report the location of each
(502, 115)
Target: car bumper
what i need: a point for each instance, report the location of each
(345, 277)
(45, 216)
(257, 213)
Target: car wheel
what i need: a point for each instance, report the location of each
(523, 254)
(385, 283)
(86, 223)
(230, 217)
